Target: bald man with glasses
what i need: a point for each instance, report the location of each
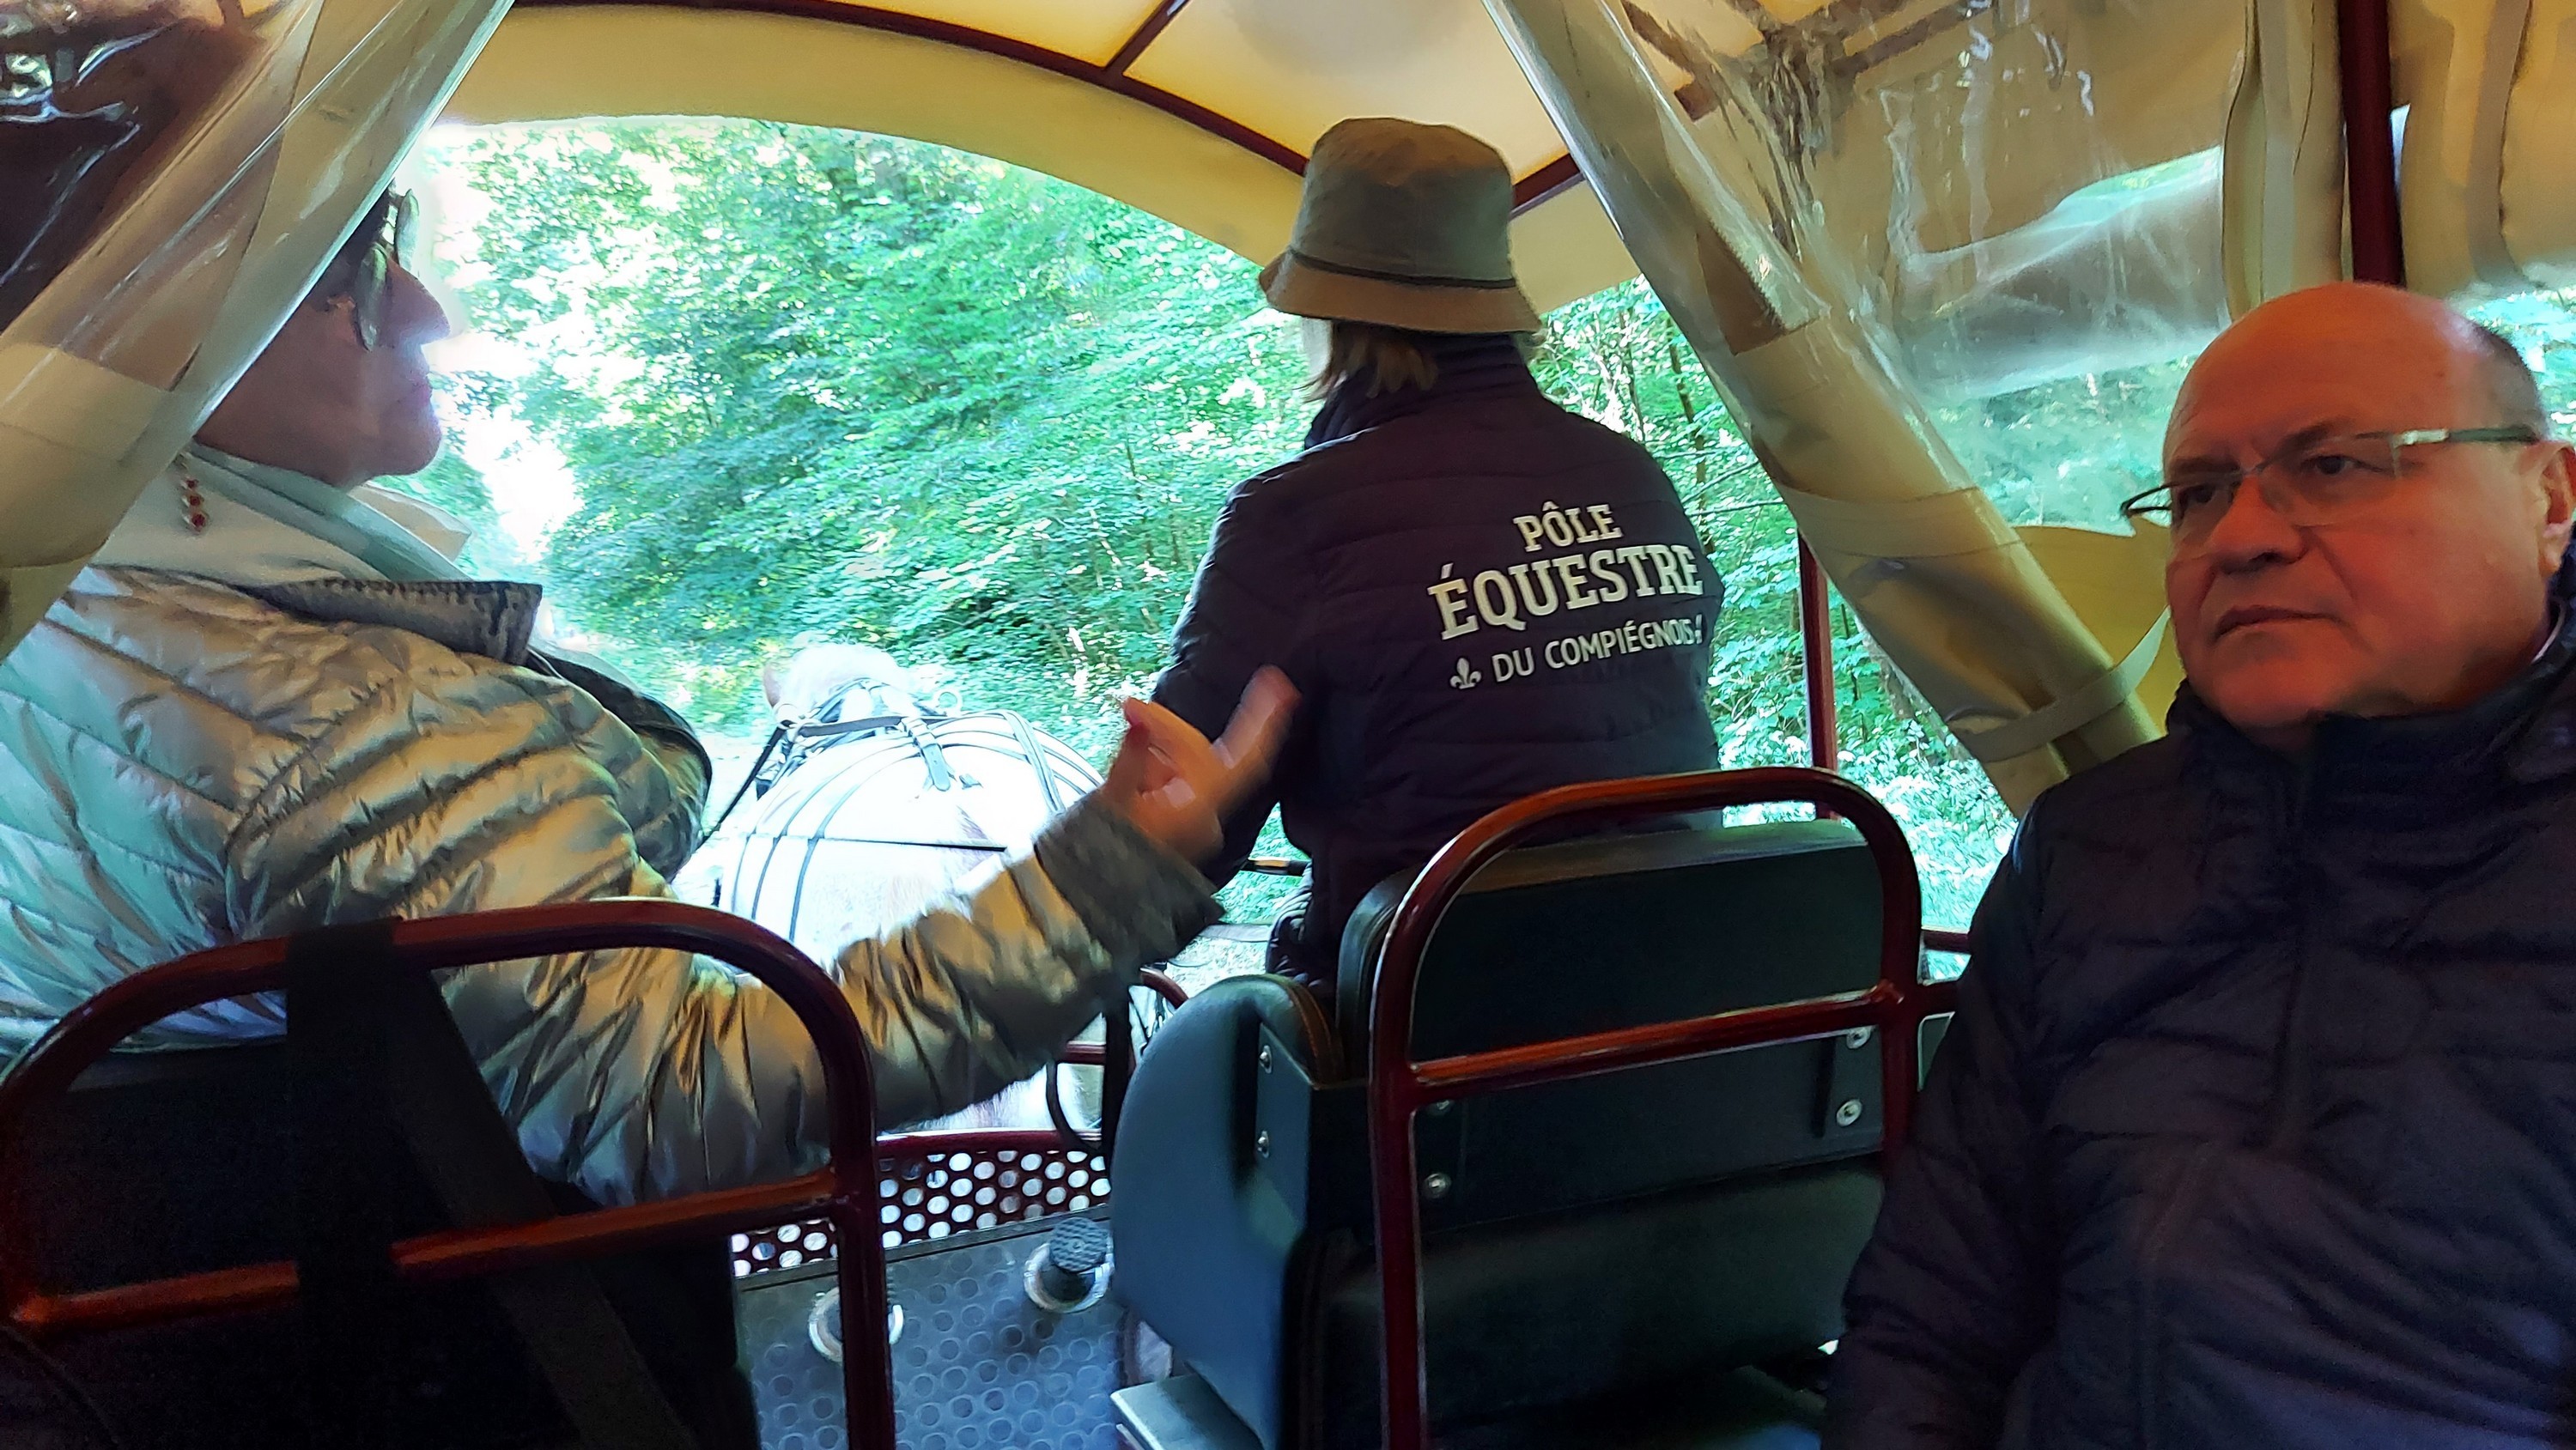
(2257, 1124)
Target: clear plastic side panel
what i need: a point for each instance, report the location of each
(173, 175)
(1945, 260)
(88, 104)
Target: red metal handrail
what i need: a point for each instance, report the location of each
(1816, 658)
(1114, 1075)
(974, 1142)
(1399, 1087)
(2370, 150)
(1173, 993)
(1094, 1054)
(845, 1191)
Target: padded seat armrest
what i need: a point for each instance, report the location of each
(1204, 1240)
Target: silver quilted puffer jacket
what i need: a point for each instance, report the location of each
(187, 762)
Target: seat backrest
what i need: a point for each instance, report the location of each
(1621, 931)
(1585, 1240)
(181, 1162)
(1615, 931)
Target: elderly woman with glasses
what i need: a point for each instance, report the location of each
(342, 396)
(271, 706)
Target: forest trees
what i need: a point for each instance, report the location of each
(813, 385)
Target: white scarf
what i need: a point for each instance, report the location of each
(268, 525)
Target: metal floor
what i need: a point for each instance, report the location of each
(978, 1367)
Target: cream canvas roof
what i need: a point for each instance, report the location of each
(1200, 111)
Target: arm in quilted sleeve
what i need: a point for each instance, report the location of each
(1954, 1292)
(1246, 610)
(677, 797)
(648, 1073)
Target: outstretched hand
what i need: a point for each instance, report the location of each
(1176, 786)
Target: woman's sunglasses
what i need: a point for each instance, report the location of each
(363, 271)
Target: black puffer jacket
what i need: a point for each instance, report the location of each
(1480, 594)
(2257, 1125)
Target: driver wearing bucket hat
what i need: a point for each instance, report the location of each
(1478, 593)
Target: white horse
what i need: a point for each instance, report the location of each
(837, 682)
(879, 811)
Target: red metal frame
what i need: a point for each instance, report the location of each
(1816, 651)
(1164, 987)
(1824, 726)
(1545, 182)
(1114, 1074)
(1400, 1087)
(976, 1142)
(2370, 151)
(1145, 34)
(1090, 1054)
(845, 1191)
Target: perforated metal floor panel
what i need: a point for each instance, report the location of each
(978, 1367)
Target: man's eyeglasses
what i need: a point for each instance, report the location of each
(2305, 483)
(363, 271)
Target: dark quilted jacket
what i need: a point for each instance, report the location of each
(2257, 1125)
(1358, 568)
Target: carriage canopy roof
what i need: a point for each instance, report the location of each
(1200, 111)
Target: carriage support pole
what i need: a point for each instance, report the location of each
(2369, 147)
(1816, 640)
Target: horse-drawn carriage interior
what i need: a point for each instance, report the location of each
(1580, 1143)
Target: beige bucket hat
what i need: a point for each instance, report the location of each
(1403, 225)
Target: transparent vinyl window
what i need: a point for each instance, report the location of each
(1617, 357)
(2017, 205)
(173, 174)
(94, 100)
(1946, 262)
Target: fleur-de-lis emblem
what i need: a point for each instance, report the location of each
(1464, 678)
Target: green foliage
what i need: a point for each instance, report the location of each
(812, 385)
(2543, 325)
